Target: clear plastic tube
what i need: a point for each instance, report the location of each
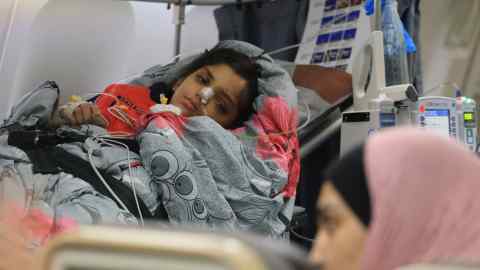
(130, 174)
(105, 141)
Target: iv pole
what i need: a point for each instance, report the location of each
(179, 14)
(378, 15)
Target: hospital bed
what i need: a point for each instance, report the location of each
(324, 114)
(319, 136)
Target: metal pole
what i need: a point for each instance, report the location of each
(178, 20)
(199, 2)
(179, 14)
(378, 15)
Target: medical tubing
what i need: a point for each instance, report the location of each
(94, 94)
(130, 173)
(107, 186)
(298, 235)
(283, 132)
(114, 110)
(309, 116)
(186, 54)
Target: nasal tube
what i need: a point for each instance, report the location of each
(205, 95)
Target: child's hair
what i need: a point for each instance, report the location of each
(242, 65)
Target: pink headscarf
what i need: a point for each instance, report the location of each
(425, 192)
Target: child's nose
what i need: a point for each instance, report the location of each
(205, 94)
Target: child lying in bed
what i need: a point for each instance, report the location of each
(200, 172)
(221, 84)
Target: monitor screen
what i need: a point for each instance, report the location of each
(469, 120)
(468, 117)
(437, 120)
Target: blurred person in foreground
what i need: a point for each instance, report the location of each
(405, 197)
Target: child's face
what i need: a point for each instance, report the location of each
(224, 106)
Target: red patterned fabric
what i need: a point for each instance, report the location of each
(278, 141)
(133, 101)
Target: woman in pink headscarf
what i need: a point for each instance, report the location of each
(405, 197)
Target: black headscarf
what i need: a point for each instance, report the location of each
(348, 176)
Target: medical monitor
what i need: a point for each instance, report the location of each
(437, 120)
(438, 114)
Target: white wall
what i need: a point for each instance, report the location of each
(200, 29)
(7, 8)
(81, 44)
(433, 29)
(155, 33)
(443, 60)
(12, 45)
(33, 50)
